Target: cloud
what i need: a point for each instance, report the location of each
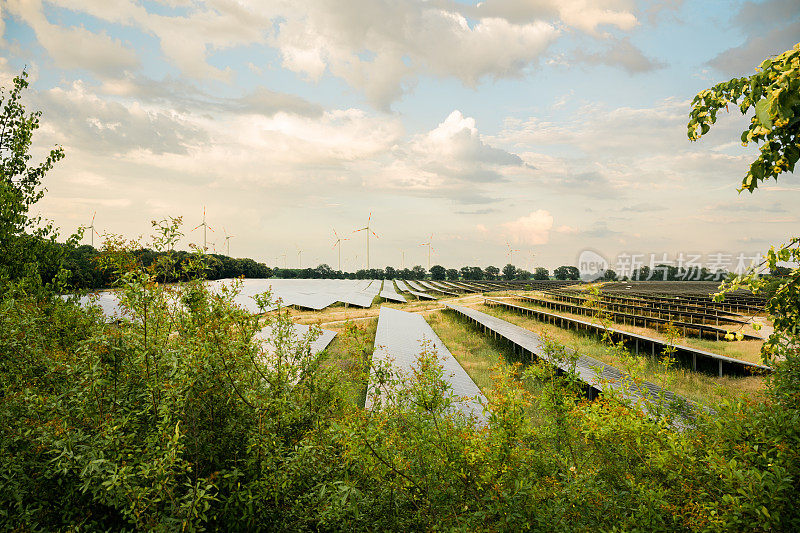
(452, 160)
(378, 47)
(580, 14)
(644, 207)
(600, 230)
(567, 229)
(742, 60)
(624, 152)
(533, 228)
(770, 27)
(75, 47)
(79, 118)
(748, 206)
(621, 53)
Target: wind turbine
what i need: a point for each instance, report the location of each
(284, 259)
(227, 240)
(299, 257)
(205, 227)
(511, 253)
(530, 261)
(367, 231)
(402, 258)
(91, 229)
(428, 244)
(339, 244)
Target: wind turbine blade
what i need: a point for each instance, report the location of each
(370, 217)
(93, 215)
(197, 226)
(376, 235)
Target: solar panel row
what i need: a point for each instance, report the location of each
(399, 340)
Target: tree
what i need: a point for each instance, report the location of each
(509, 272)
(438, 272)
(452, 274)
(609, 275)
(491, 272)
(20, 184)
(390, 272)
(418, 272)
(541, 273)
(567, 272)
(773, 93)
(523, 274)
(642, 273)
(476, 273)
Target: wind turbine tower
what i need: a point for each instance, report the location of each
(227, 240)
(205, 228)
(91, 229)
(367, 231)
(339, 244)
(428, 244)
(511, 253)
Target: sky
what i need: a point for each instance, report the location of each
(544, 127)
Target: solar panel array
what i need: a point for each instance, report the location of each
(400, 339)
(595, 374)
(694, 358)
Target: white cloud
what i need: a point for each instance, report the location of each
(451, 160)
(380, 47)
(585, 15)
(615, 151)
(533, 228)
(75, 47)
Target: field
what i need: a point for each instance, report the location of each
(480, 354)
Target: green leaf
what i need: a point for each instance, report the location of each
(762, 113)
(758, 170)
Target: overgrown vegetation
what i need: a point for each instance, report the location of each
(176, 418)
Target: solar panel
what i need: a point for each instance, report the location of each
(415, 286)
(422, 295)
(400, 339)
(299, 332)
(401, 284)
(389, 293)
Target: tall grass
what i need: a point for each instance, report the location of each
(351, 353)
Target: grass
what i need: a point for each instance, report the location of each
(351, 352)
(702, 388)
(477, 354)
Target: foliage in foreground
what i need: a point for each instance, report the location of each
(176, 418)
